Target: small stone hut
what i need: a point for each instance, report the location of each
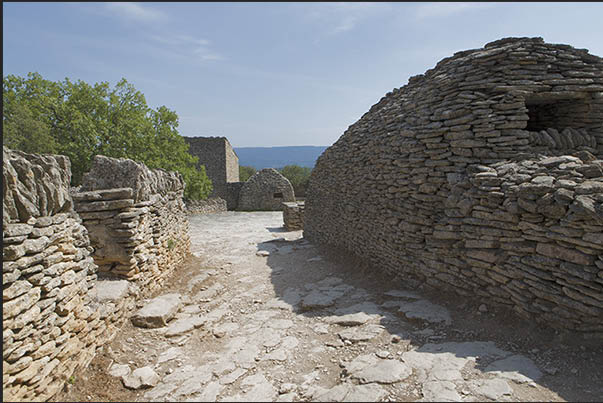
(265, 190)
(483, 176)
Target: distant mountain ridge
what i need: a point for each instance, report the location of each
(278, 157)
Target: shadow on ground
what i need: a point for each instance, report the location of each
(452, 346)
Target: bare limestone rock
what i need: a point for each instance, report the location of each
(158, 311)
(34, 185)
(111, 173)
(143, 377)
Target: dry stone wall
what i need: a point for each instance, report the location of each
(57, 312)
(49, 329)
(208, 206)
(483, 176)
(265, 190)
(136, 219)
(293, 215)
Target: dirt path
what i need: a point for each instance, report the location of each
(267, 316)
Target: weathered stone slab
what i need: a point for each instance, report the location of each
(158, 311)
(425, 310)
(352, 319)
(111, 290)
(517, 368)
(319, 299)
(143, 377)
(362, 333)
(184, 325)
(368, 368)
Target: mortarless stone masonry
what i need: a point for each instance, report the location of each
(484, 176)
(265, 190)
(221, 164)
(208, 206)
(293, 215)
(49, 328)
(136, 219)
(56, 313)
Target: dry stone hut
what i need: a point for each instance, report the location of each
(483, 176)
(265, 190)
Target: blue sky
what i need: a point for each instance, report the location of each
(270, 74)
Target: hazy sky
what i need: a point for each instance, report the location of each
(270, 74)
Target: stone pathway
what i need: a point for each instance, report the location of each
(287, 325)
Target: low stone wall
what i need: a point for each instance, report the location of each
(293, 215)
(208, 206)
(49, 329)
(139, 232)
(56, 313)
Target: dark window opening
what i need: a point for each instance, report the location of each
(535, 118)
(557, 111)
(278, 195)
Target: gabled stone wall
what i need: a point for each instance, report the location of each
(220, 161)
(447, 181)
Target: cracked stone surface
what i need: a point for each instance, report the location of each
(243, 327)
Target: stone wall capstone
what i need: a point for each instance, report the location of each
(483, 176)
(265, 190)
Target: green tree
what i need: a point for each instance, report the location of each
(298, 176)
(82, 120)
(245, 172)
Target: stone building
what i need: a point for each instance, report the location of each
(483, 176)
(221, 165)
(265, 190)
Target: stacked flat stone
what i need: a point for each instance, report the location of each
(293, 215)
(56, 313)
(139, 232)
(208, 206)
(265, 190)
(451, 181)
(49, 328)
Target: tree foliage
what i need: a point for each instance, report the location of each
(298, 176)
(245, 172)
(82, 120)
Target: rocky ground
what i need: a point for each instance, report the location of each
(260, 314)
